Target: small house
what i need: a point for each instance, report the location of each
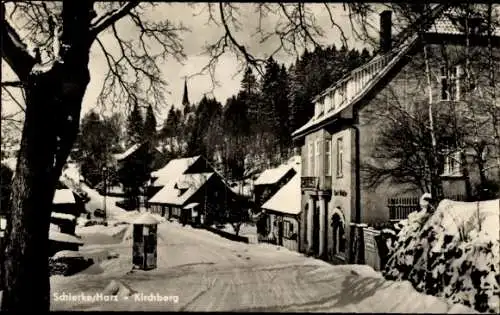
(271, 180)
(194, 198)
(281, 215)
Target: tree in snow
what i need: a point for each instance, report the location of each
(150, 125)
(135, 126)
(205, 135)
(97, 141)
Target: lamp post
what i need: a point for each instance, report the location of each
(104, 169)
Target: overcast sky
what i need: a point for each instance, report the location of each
(195, 18)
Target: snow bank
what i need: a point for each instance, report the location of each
(63, 216)
(452, 253)
(100, 234)
(62, 237)
(67, 254)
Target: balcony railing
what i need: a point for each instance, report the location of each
(309, 182)
(314, 182)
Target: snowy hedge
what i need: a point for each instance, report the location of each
(452, 253)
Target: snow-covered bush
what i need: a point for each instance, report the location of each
(68, 265)
(452, 253)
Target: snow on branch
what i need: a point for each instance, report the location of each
(109, 18)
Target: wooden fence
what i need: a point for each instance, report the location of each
(401, 207)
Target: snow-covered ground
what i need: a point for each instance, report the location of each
(206, 272)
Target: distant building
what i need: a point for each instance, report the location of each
(271, 180)
(282, 215)
(191, 191)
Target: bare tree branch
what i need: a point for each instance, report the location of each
(109, 18)
(13, 98)
(14, 51)
(18, 84)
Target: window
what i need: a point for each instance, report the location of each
(288, 231)
(316, 163)
(452, 164)
(331, 100)
(342, 93)
(450, 83)
(340, 157)
(320, 104)
(311, 159)
(328, 157)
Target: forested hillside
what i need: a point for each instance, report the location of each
(252, 129)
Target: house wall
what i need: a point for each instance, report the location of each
(407, 89)
(343, 189)
(289, 241)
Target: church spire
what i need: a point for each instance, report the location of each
(185, 99)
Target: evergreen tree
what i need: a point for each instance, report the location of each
(135, 126)
(283, 102)
(150, 125)
(236, 133)
(249, 82)
(205, 134)
(98, 139)
(300, 108)
(169, 124)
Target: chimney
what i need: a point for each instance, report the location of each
(385, 31)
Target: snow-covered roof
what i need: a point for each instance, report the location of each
(381, 65)
(64, 216)
(287, 199)
(173, 170)
(63, 196)
(273, 175)
(171, 194)
(449, 23)
(64, 238)
(128, 152)
(145, 219)
(191, 205)
(67, 254)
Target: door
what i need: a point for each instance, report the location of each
(315, 228)
(280, 232)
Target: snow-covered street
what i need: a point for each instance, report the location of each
(210, 273)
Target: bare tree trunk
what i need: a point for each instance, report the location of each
(436, 184)
(493, 107)
(54, 94)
